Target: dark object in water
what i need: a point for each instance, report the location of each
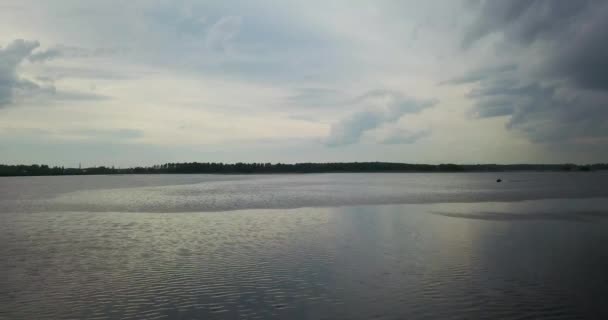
(498, 180)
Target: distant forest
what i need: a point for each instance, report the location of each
(266, 168)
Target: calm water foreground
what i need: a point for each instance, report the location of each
(329, 246)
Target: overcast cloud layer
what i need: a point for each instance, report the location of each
(144, 82)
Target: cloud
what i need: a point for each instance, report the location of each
(260, 70)
(402, 136)
(559, 90)
(14, 88)
(11, 56)
(350, 130)
(582, 60)
(63, 51)
(317, 98)
(546, 113)
(480, 74)
(52, 73)
(546, 24)
(47, 54)
(381, 107)
(109, 134)
(221, 34)
(74, 95)
(525, 21)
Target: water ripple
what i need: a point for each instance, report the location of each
(351, 262)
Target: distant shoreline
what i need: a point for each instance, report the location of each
(296, 168)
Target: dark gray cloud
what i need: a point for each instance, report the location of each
(559, 91)
(570, 35)
(545, 113)
(381, 107)
(583, 53)
(526, 21)
(13, 87)
(11, 56)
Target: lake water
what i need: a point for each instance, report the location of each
(320, 246)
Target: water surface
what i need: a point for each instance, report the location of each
(334, 246)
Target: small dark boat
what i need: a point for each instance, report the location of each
(498, 180)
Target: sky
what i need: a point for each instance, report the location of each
(124, 83)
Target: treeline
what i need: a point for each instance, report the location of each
(263, 168)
